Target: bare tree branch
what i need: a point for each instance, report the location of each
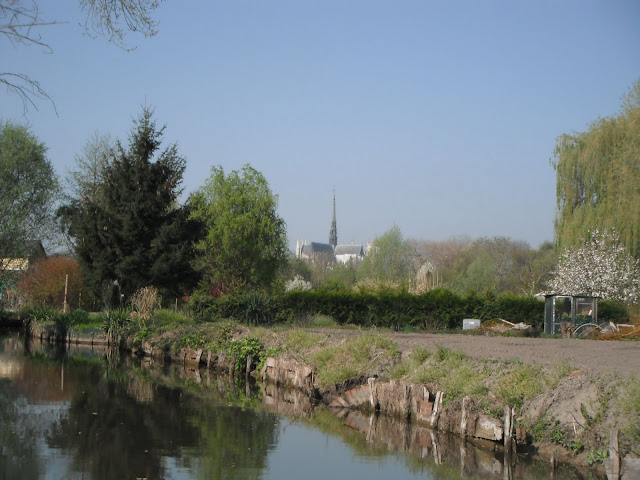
(18, 23)
(113, 18)
(26, 89)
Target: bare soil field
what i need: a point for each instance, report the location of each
(596, 356)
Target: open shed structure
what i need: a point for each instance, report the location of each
(576, 309)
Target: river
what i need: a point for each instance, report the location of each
(94, 414)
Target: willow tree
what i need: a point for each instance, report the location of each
(244, 244)
(598, 178)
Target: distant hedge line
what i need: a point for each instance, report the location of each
(434, 310)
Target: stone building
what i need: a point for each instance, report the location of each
(332, 251)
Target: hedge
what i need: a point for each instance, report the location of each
(434, 310)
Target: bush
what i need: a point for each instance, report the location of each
(612, 311)
(144, 302)
(436, 309)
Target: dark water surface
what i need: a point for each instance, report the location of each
(90, 414)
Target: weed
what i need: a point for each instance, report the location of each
(144, 302)
(299, 340)
(631, 407)
(523, 383)
(447, 355)
(365, 353)
(419, 355)
(168, 317)
(597, 456)
(257, 308)
(244, 347)
(322, 321)
(115, 321)
(269, 352)
(560, 370)
(42, 314)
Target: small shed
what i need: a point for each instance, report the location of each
(576, 309)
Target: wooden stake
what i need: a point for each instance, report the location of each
(612, 466)
(66, 284)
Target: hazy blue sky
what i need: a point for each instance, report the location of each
(438, 116)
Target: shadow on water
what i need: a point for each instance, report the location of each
(97, 414)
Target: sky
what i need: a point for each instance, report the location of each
(439, 117)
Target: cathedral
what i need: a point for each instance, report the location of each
(330, 252)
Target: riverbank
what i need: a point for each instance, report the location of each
(561, 410)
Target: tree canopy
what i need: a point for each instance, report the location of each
(132, 230)
(598, 178)
(28, 190)
(601, 268)
(388, 260)
(244, 244)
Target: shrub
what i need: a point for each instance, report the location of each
(144, 302)
(436, 309)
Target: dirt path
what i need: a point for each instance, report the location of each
(620, 357)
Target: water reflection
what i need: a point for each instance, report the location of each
(97, 415)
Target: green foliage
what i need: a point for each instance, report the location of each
(365, 353)
(244, 347)
(388, 259)
(500, 265)
(597, 456)
(523, 383)
(245, 240)
(40, 314)
(115, 321)
(613, 311)
(451, 371)
(28, 189)
(436, 309)
(597, 178)
(258, 308)
(132, 230)
(631, 407)
(299, 340)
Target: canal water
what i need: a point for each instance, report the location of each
(91, 414)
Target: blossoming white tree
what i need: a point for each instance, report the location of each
(297, 283)
(600, 267)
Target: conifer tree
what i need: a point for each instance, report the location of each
(134, 232)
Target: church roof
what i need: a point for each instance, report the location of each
(316, 248)
(349, 250)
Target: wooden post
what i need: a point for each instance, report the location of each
(435, 414)
(612, 465)
(66, 284)
(465, 416)
(508, 425)
(249, 363)
(437, 458)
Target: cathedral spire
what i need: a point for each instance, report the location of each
(333, 233)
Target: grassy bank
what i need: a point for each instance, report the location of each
(538, 393)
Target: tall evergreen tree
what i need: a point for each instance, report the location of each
(134, 231)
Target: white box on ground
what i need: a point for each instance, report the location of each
(470, 323)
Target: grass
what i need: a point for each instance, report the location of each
(449, 371)
(351, 358)
(297, 340)
(631, 407)
(524, 382)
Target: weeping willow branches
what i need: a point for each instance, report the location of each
(598, 178)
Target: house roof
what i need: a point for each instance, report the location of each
(30, 248)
